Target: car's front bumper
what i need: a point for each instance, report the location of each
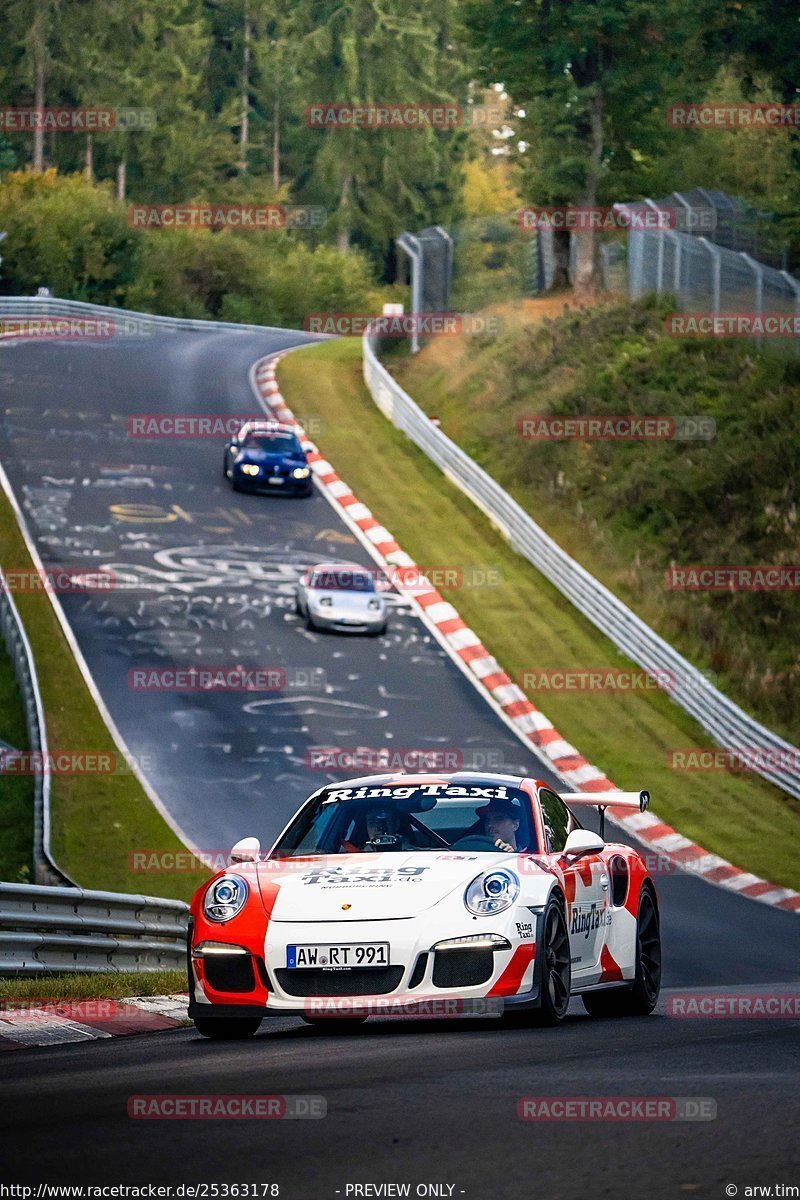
(348, 622)
(421, 979)
(261, 483)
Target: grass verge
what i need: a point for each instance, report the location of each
(99, 985)
(528, 625)
(628, 511)
(16, 792)
(97, 820)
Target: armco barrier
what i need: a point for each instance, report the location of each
(47, 930)
(19, 650)
(727, 724)
(49, 306)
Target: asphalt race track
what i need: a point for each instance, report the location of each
(205, 577)
(208, 578)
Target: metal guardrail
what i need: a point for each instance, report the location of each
(13, 633)
(125, 320)
(45, 930)
(727, 724)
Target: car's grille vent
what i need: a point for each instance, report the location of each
(419, 971)
(263, 975)
(230, 973)
(373, 982)
(462, 968)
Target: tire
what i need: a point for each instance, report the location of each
(641, 997)
(227, 1028)
(309, 620)
(380, 632)
(556, 970)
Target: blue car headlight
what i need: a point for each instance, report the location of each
(492, 892)
(250, 469)
(225, 898)
(301, 472)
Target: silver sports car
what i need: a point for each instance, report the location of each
(343, 597)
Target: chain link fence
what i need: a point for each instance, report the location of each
(696, 256)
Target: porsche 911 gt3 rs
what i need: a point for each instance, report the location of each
(385, 892)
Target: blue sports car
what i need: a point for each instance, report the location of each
(267, 456)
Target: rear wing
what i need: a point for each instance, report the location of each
(639, 801)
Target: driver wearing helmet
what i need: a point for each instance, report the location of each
(383, 830)
(500, 821)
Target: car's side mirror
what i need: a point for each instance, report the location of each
(247, 850)
(583, 841)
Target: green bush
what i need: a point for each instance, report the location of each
(72, 235)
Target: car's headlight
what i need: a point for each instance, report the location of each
(301, 472)
(326, 602)
(225, 898)
(250, 469)
(374, 604)
(492, 892)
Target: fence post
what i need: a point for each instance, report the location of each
(758, 271)
(660, 255)
(795, 286)
(413, 249)
(715, 273)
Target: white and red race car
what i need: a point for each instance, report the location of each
(387, 892)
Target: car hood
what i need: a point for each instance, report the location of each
(346, 602)
(373, 886)
(263, 458)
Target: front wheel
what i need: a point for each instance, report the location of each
(641, 997)
(556, 969)
(227, 1028)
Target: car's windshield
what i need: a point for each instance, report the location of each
(435, 816)
(342, 579)
(278, 443)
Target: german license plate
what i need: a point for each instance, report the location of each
(338, 955)
(276, 479)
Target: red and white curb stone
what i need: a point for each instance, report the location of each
(506, 698)
(26, 1023)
